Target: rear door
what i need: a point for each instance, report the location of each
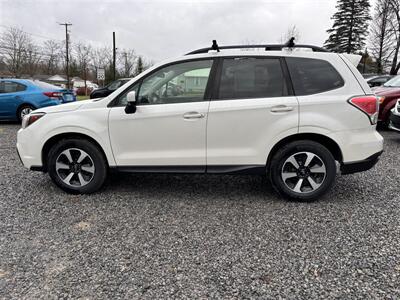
(252, 108)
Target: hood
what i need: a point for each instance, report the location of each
(63, 107)
(386, 91)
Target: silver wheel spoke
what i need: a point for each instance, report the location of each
(67, 179)
(293, 161)
(287, 175)
(313, 184)
(89, 169)
(60, 165)
(318, 169)
(310, 157)
(67, 153)
(299, 183)
(82, 156)
(82, 181)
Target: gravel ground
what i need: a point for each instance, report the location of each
(159, 236)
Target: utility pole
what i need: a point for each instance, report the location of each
(66, 49)
(114, 55)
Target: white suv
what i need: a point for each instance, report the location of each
(299, 116)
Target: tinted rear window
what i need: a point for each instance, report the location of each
(244, 78)
(313, 76)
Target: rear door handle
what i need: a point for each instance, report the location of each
(281, 108)
(193, 115)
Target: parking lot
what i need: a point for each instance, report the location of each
(169, 236)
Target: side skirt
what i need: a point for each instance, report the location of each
(222, 169)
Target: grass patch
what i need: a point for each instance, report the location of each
(79, 98)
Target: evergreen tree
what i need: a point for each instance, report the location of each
(139, 66)
(350, 26)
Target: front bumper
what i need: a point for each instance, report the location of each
(360, 166)
(394, 121)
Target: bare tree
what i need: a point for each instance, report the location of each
(13, 45)
(381, 34)
(292, 31)
(395, 28)
(127, 59)
(52, 59)
(83, 57)
(32, 59)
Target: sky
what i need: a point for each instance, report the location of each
(161, 29)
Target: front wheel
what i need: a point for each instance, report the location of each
(77, 166)
(303, 170)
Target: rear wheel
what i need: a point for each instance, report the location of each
(24, 110)
(303, 170)
(77, 166)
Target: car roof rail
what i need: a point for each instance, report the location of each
(268, 47)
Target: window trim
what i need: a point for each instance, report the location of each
(209, 86)
(17, 83)
(285, 74)
(320, 92)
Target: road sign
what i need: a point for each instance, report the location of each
(101, 74)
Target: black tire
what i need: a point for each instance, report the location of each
(298, 149)
(21, 109)
(95, 159)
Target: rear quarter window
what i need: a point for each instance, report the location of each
(313, 76)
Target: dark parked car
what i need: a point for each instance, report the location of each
(378, 80)
(108, 89)
(388, 94)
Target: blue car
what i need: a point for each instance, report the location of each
(18, 97)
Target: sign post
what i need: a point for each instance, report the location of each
(101, 75)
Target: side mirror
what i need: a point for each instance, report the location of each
(130, 107)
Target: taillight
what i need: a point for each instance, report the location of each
(53, 95)
(31, 118)
(368, 105)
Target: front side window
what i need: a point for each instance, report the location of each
(178, 83)
(248, 77)
(313, 76)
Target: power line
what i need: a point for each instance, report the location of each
(33, 34)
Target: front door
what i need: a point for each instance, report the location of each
(168, 128)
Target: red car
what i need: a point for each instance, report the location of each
(388, 95)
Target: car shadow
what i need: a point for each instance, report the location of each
(186, 186)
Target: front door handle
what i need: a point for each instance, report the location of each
(281, 108)
(193, 115)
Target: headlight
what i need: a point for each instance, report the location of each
(31, 118)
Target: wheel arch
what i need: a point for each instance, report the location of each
(329, 143)
(24, 104)
(69, 135)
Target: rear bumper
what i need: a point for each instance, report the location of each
(360, 166)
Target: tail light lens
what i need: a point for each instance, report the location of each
(53, 95)
(368, 105)
(31, 118)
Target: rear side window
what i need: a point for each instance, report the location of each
(11, 87)
(248, 77)
(313, 76)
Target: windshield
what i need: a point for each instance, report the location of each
(394, 82)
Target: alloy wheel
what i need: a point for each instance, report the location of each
(25, 111)
(303, 172)
(75, 167)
